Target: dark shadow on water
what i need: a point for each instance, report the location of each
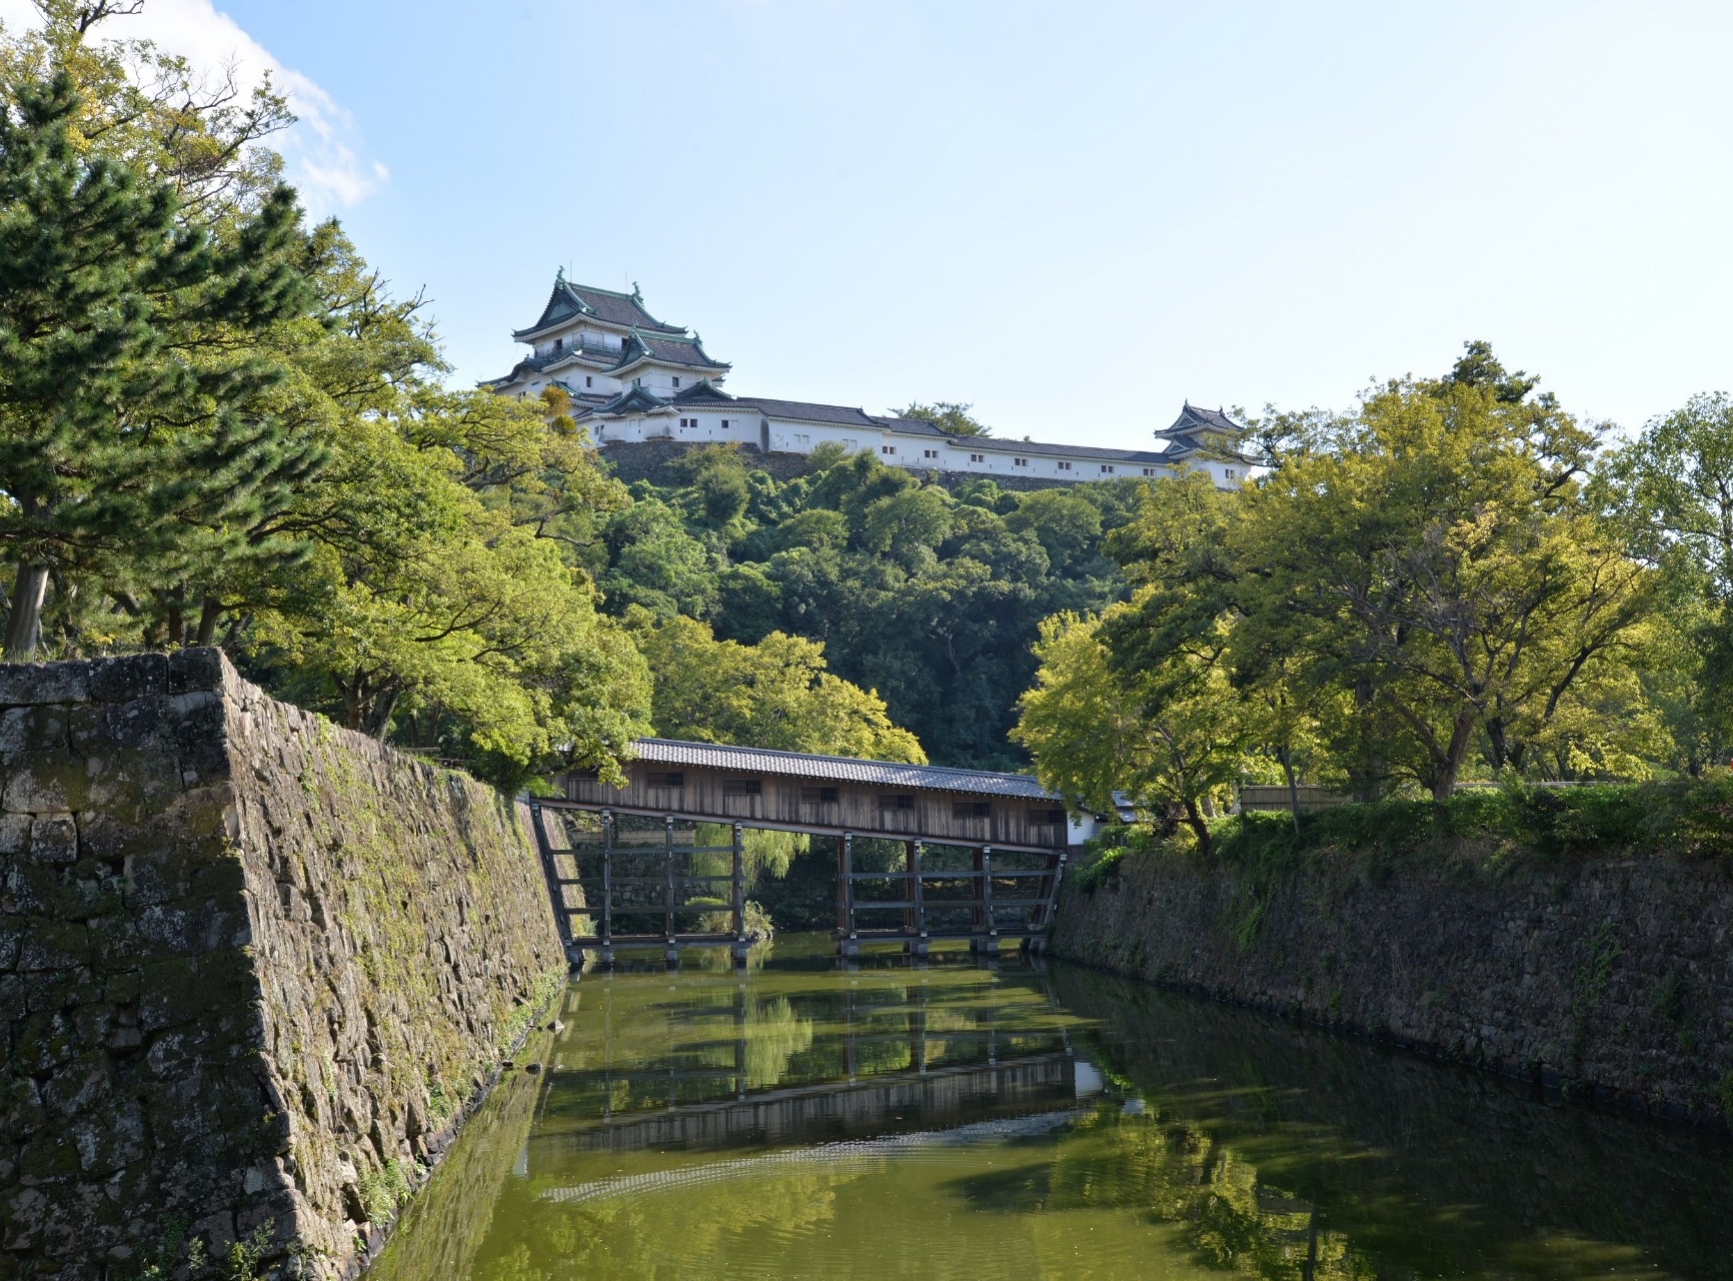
(1427, 1169)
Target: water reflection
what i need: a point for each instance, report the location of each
(962, 1117)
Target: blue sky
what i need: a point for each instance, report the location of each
(1072, 216)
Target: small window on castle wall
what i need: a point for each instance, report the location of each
(589, 381)
(724, 424)
(1019, 462)
(1064, 466)
(1229, 473)
(676, 381)
(977, 458)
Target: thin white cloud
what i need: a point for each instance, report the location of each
(324, 152)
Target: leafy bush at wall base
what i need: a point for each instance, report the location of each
(1687, 817)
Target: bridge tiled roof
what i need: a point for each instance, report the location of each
(847, 769)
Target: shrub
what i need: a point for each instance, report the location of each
(1689, 817)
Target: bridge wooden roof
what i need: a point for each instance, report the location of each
(848, 769)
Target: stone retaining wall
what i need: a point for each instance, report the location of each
(1608, 975)
(253, 971)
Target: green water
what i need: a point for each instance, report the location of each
(971, 1119)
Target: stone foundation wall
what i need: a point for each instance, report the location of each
(253, 971)
(1607, 975)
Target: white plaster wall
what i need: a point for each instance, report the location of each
(791, 436)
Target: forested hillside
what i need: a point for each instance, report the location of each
(932, 598)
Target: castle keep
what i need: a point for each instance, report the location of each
(632, 377)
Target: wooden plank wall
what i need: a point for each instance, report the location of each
(925, 814)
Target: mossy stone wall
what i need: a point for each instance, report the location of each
(1609, 976)
(253, 971)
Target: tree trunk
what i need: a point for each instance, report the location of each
(378, 721)
(24, 626)
(209, 617)
(1285, 755)
(1450, 765)
(1195, 820)
(177, 617)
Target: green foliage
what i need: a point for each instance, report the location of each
(1691, 817)
(930, 598)
(948, 416)
(136, 437)
(217, 427)
(1425, 590)
(442, 1105)
(383, 1190)
(547, 987)
(774, 694)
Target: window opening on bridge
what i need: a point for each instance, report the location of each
(970, 809)
(897, 801)
(818, 796)
(667, 778)
(742, 787)
(1048, 817)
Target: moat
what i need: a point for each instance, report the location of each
(962, 1118)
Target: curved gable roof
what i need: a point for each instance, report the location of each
(569, 302)
(665, 349)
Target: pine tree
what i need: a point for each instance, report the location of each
(130, 436)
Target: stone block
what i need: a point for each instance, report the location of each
(27, 683)
(46, 782)
(121, 989)
(141, 725)
(110, 1146)
(182, 990)
(14, 997)
(124, 680)
(54, 839)
(49, 1155)
(201, 747)
(195, 670)
(53, 947)
(24, 730)
(42, 1043)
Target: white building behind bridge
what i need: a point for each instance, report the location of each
(634, 378)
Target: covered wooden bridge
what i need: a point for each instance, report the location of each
(981, 853)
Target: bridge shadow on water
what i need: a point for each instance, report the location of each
(962, 1117)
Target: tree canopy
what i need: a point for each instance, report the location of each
(1448, 582)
